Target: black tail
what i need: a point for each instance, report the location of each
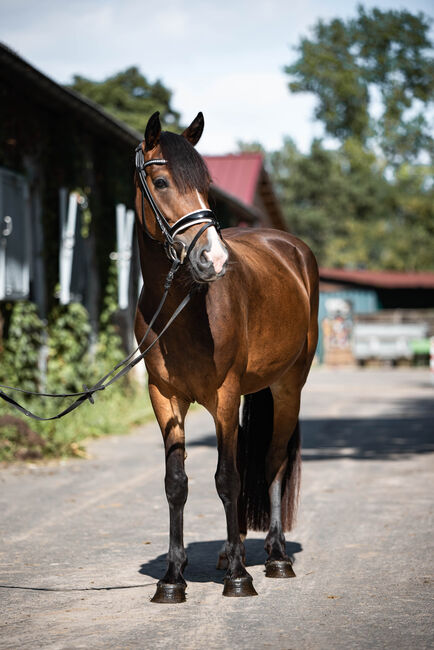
(254, 438)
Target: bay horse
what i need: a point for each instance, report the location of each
(249, 329)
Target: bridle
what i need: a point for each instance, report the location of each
(203, 216)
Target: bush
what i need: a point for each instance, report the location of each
(70, 365)
(19, 360)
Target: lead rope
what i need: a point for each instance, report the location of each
(102, 384)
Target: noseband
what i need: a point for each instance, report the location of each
(202, 216)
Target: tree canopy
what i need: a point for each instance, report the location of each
(368, 203)
(130, 97)
(381, 60)
(343, 205)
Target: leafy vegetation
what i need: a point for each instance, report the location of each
(130, 97)
(71, 363)
(380, 57)
(368, 203)
(114, 412)
(344, 206)
(20, 357)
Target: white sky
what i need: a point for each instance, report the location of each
(225, 58)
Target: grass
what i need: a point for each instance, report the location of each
(114, 412)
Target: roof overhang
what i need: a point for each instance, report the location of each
(380, 279)
(56, 97)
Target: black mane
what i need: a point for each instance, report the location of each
(186, 166)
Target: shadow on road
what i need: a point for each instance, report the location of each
(408, 430)
(202, 558)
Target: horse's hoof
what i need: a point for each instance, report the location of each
(239, 587)
(279, 569)
(169, 594)
(222, 562)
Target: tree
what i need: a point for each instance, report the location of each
(341, 203)
(250, 147)
(130, 97)
(352, 65)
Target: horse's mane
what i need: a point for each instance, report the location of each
(186, 166)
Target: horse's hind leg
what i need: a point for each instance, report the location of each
(237, 581)
(170, 413)
(282, 468)
(278, 564)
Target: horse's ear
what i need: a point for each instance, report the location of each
(194, 131)
(152, 132)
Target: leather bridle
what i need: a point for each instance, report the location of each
(203, 216)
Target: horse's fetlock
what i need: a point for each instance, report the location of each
(177, 557)
(275, 543)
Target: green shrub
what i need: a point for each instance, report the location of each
(19, 360)
(68, 344)
(70, 365)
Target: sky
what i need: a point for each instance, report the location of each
(225, 58)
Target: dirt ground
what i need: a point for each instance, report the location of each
(83, 542)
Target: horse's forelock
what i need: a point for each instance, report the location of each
(186, 166)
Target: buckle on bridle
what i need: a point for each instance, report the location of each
(173, 253)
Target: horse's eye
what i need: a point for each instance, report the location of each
(160, 183)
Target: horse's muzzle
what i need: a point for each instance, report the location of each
(209, 262)
(203, 269)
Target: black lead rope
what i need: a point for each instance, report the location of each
(123, 367)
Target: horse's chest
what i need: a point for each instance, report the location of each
(186, 361)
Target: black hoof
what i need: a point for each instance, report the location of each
(169, 594)
(239, 587)
(279, 569)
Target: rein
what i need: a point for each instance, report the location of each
(203, 216)
(123, 367)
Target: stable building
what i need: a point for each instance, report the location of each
(385, 306)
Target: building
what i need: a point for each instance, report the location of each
(386, 297)
(244, 177)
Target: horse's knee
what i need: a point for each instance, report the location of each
(176, 483)
(228, 484)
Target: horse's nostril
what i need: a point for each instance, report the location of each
(203, 259)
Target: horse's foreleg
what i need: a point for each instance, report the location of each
(170, 413)
(237, 581)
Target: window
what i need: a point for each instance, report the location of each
(14, 236)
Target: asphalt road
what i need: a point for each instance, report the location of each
(83, 542)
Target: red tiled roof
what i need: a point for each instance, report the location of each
(381, 279)
(236, 174)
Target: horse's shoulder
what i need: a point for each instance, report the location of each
(268, 238)
(268, 252)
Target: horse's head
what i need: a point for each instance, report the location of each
(174, 180)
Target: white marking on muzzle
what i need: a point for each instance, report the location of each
(217, 253)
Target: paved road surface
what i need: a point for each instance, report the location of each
(83, 542)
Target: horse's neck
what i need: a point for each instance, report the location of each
(154, 265)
